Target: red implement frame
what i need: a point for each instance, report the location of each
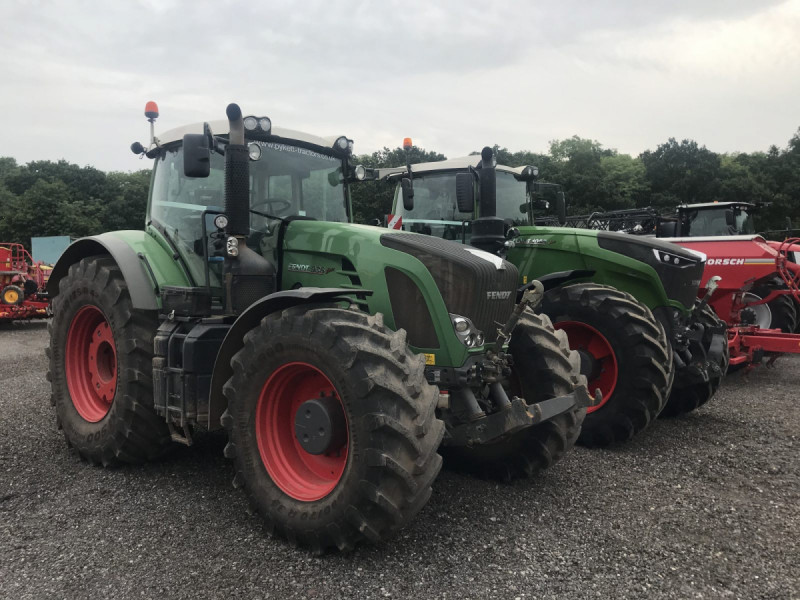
(16, 268)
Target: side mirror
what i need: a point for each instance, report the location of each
(408, 193)
(561, 207)
(667, 229)
(196, 155)
(465, 192)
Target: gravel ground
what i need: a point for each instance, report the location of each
(704, 506)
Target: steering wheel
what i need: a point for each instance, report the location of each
(279, 203)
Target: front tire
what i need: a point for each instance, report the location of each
(100, 353)
(377, 475)
(544, 367)
(624, 352)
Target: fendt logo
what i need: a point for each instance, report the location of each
(498, 295)
(725, 261)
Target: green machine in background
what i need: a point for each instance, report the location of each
(628, 304)
(338, 357)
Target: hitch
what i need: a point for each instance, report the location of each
(516, 417)
(711, 287)
(531, 298)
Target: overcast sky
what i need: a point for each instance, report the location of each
(453, 75)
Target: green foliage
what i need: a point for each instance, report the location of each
(60, 198)
(682, 171)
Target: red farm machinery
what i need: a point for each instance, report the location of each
(757, 291)
(22, 284)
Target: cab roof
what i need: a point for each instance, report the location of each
(452, 164)
(716, 205)
(221, 127)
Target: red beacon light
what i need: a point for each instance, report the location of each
(151, 111)
(407, 144)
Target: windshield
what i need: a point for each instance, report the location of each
(285, 181)
(725, 220)
(435, 209)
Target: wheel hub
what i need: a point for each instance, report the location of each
(90, 362)
(319, 425)
(598, 360)
(302, 432)
(102, 362)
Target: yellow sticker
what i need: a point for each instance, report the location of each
(524, 279)
(430, 359)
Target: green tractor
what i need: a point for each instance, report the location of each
(628, 304)
(338, 357)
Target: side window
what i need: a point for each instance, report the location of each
(177, 204)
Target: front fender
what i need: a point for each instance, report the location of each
(145, 264)
(250, 318)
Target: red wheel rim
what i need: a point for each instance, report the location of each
(300, 475)
(90, 362)
(585, 338)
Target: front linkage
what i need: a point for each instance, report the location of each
(500, 415)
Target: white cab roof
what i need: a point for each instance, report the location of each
(222, 127)
(455, 164)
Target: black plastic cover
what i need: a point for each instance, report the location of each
(680, 281)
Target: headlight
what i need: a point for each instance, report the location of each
(360, 172)
(265, 124)
(466, 332)
(341, 143)
(254, 150)
(250, 123)
(673, 259)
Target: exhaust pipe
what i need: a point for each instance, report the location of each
(248, 275)
(237, 176)
(488, 231)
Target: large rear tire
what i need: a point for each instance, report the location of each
(543, 368)
(624, 352)
(686, 399)
(100, 353)
(376, 473)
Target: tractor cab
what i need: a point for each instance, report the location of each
(293, 175)
(712, 219)
(436, 209)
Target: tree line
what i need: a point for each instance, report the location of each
(44, 198)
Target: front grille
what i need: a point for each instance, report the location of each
(409, 309)
(470, 286)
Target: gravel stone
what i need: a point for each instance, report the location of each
(702, 506)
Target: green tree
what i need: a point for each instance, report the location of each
(127, 206)
(682, 172)
(623, 183)
(577, 166)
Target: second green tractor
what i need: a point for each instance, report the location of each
(628, 304)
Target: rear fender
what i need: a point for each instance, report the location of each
(145, 264)
(250, 318)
